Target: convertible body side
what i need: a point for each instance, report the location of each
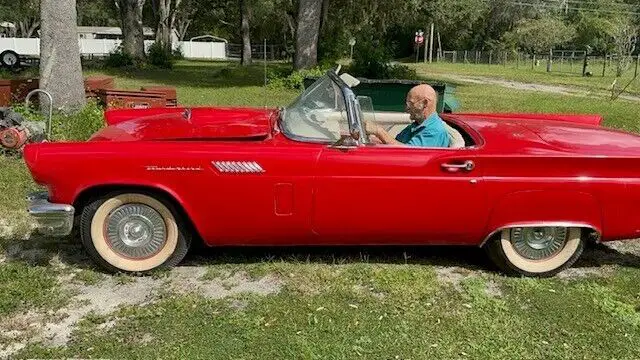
(240, 181)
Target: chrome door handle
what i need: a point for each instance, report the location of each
(467, 165)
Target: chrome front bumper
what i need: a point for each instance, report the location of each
(52, 219)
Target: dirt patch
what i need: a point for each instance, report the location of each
(6, 228)
(578, 272)
(554, 89)
(452, 275)
(493, 289)
(626, 247)
(108, 295)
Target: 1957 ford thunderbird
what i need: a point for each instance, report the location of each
(531, 189)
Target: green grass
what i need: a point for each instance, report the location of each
(24, 286)
(374, 311)
(209, 83)
(338, 306)
(596, 83)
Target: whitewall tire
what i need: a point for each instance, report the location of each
(133, 232)
(536, 251)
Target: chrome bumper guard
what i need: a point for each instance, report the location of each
(52, 219)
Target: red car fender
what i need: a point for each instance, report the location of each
(545, 208)
(138, 185)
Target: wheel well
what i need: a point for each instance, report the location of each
(589, 234)
(88, 195)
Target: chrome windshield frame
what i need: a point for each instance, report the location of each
(351, 107)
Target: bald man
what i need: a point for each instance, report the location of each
(427, 129)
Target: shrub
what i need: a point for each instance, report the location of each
(294, 80)
(119, 59)
(158, 56)
(74, 127)
(177, 53)
(79, 126)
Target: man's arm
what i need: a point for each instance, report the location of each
(380, 133)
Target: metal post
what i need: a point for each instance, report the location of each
(490, 54)
(424, 56)
(26, 105)
(550, 60)
(465, 56)
(431, 44)
(533, 61)
(517, 60)
(455, 53)
(604, 64)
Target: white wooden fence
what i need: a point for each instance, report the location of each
(102, 47)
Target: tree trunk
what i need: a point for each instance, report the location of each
(163, 32)
(132, 30)
(246, 38)
(60, 67)
(309, 15)
(28, 27)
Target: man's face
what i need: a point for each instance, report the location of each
(415, 106)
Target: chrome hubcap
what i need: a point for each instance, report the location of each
(136, 231)
(538, 243)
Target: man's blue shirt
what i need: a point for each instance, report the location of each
(431, 133)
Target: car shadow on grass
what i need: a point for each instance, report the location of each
(39, 250)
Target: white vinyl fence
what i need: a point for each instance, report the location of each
(102, 47)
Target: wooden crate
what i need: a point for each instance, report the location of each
(118, 99)
(16, 90)
(168, 91)
(94, 83)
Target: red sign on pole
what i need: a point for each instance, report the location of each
(419, 38)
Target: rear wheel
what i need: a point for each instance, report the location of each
(536, 251)
(133, 232)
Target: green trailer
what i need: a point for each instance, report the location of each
(390, 95)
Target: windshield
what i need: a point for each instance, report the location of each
(318, 114)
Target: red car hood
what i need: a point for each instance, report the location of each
(533, 136)
(186, 124)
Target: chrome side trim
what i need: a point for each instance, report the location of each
(51, 219)
(540, 224)
(238, 167)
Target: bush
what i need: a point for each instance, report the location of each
(158, 56)
(294, 80)
(75, 127)
(119, 59)
(79, 126)
(178, 54)
(373, 65)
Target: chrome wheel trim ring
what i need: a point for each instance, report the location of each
(135, 231)
(538, 242)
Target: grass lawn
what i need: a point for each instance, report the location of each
(391, 303)
(597, 83)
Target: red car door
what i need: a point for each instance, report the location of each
(399, 195)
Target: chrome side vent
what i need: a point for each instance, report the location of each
(238, 167)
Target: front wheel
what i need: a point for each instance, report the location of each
(536, 251)
(133, 232)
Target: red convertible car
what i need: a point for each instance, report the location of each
(531, 189)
